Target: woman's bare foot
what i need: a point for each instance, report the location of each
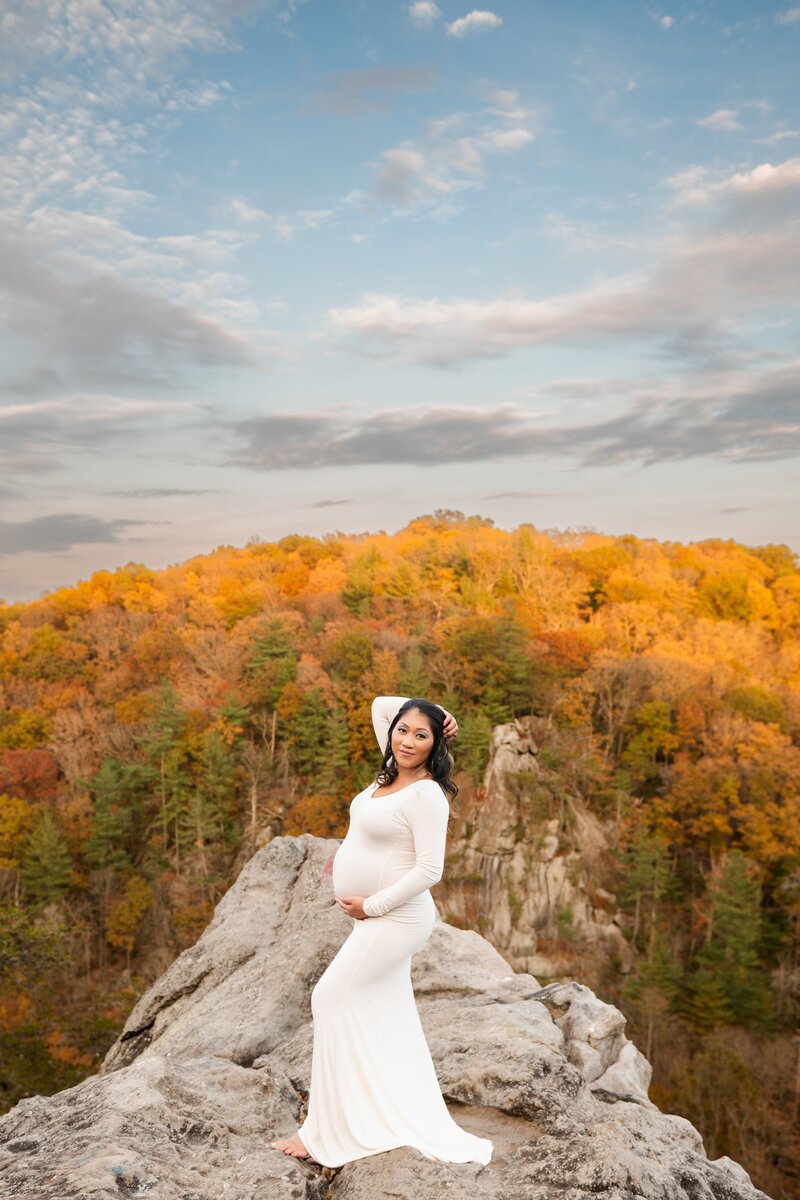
(292, 1146)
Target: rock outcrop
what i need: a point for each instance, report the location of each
(523, 877)
(214, 1063)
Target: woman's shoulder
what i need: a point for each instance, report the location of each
(429, 789)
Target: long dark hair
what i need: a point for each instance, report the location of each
(439, 761)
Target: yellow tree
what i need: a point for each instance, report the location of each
(125, 915)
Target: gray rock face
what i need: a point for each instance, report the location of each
(515, 873)
(215, 1061)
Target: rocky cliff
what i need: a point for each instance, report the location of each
(214, 1063)
(524, 870)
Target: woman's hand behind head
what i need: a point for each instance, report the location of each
(450, 727)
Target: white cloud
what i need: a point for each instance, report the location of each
(509, 139)
(740, 414)
(90, 323)
(702, 289)
(34, 435)
(59, 532)
(789, 16)
(203, 95)
(69, 151)
(780, 135)
(585, 235)
(667, 22)
(307, 218)
(144, 34)
(424, 13)
(451, 157)
(245, 212)
(505, 103)
(404, 177)
(724, 120)
(477, 21)
(85, 409)
(764, 182)
(686, 302)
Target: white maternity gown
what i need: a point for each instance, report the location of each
(373, 1083)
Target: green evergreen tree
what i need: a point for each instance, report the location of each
(112, 817)
(334, 774)
(706, 1004)
(272, 663)
(46, 862)
(236, 713)
(310, 733)
(473, 743)
(659, 969)
(415, 678)
(647, 884)
(495, 665)
(206, 816)
(166, 764)
(731, 954)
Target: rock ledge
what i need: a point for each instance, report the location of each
(214, 1063)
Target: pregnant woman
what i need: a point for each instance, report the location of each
(373, 1083)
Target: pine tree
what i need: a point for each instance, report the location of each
(272, 663)
(334, 771)
(706, 1003)
(474, 741)
(731, 954)
(234, 715)
(46, 862)
(647, 884)
(206, 813)
(415, 679)
(165, 754)
(310, 734)
(112, 817)
(654, 990)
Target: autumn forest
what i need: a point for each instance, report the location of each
(158, 726)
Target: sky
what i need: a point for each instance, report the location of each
(303, 266)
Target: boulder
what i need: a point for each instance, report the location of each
(214, 1063)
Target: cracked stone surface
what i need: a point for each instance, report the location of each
(214, 1062)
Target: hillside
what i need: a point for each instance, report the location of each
(157, 727)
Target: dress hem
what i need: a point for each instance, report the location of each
(386, 1149)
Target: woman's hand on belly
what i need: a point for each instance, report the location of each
(353, 906)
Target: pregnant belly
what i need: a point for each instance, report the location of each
(356, 872)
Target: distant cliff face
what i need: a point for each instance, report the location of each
(215, 1062)
(526, 879)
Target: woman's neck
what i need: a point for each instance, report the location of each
(406, 775)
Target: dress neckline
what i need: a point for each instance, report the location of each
(405, 786)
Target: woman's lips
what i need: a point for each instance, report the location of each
(406, 751)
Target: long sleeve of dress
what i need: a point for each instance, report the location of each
(384, 710)
(426, 812)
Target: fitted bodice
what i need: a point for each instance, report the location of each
(385, 841)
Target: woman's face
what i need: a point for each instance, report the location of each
(412, 739)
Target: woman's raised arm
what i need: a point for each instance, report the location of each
(384, 710)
